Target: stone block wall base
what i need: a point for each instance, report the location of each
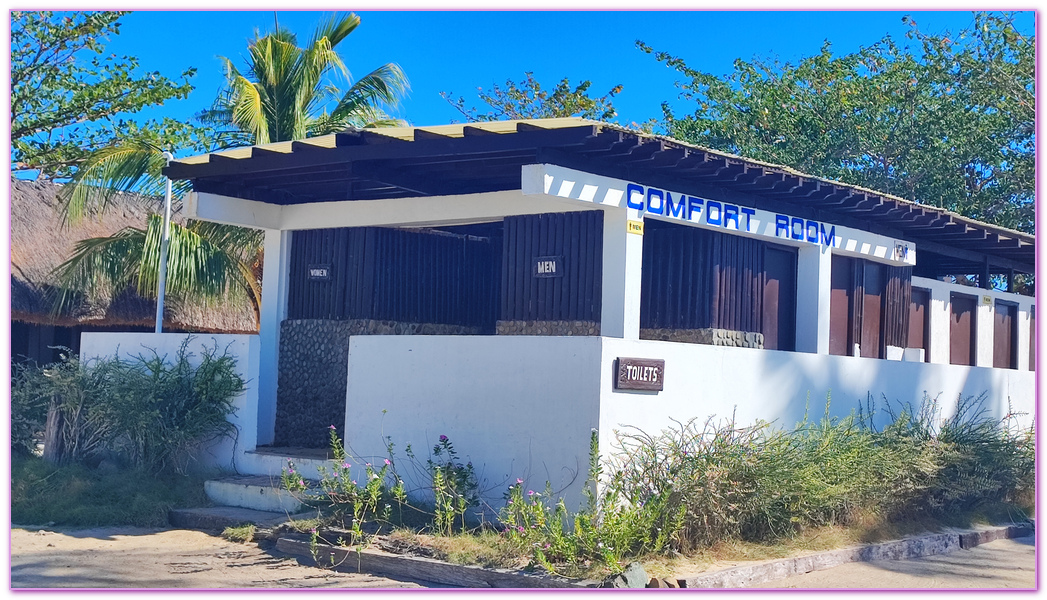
(559, 328)
(708, 336)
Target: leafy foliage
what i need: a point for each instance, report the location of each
(205, 260)
(147, 411)
(285, 91)
(68, 97)
(527, 100)
(948, 124)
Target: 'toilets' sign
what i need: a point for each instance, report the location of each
(644, 201)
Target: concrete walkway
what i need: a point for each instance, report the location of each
(1000, 564)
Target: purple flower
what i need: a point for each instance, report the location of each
(354, 482)
(367, 464)
(313, 530)
(332, 427)
(443, 438)
(345, 465)
(291, 472)
(301, 482)
(388, 462)
(530, 492)
(519, 481)
(520, 528)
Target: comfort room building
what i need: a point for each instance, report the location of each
(514, 285)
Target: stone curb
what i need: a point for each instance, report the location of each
(928, 545)
(425, 569)
(217, 518)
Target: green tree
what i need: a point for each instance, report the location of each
(527, 100)
(285, 95)
(69, 98)
(949, 123)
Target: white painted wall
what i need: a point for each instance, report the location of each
(985, 320)
(521, 406)
(516, 406)
(225, 454)
(813, 294)
(622, 275)
(273, 310)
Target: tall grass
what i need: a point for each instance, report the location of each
(147, 411)
(759, 483)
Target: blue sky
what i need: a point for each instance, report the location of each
(460, 51)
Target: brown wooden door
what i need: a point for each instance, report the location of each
(962, 321)
(1032, 338)
(779, 299)
(840, 314)
(919, 323)
(872, 310)
(1005, 336)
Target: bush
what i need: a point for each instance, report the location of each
(146, 410)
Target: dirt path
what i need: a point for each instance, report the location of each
(131, 557)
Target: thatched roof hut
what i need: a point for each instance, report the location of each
(40, 242)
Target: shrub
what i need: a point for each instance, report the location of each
(149, 411)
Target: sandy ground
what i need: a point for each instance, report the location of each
(130, 557)
(999, 564)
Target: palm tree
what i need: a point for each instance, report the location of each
(284, 94)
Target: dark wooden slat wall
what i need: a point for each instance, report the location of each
(578, 238)
(896, 310)
(1005, 336)
(962, 323)
(841, 306)
(1032, 338)
(695, 279)
(395, 275)
(919, 322)
(870, 303)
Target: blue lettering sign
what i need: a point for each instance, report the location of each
(730, 213)
(812, 232)
(781, 226)
(651, 195)
(796, 234)
(828, 239)
(709, 205)
(748, 212)
(670, 210)
(694, 205)
(629, 191)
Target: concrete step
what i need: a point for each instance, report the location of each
(217, 518)
(257, 492)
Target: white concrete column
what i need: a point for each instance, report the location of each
(985, 325)
(275, 276)
(939, 313)
(622, 266)
(1024, 334)
(813, 294)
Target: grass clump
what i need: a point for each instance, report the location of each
(77, 496)
(240, 533)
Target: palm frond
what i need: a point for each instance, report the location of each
(98, 267)
(134, 166)
(386, 84)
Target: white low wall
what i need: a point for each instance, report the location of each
(226, 454)
(520, 406)
(701, 381)
(516, 406)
